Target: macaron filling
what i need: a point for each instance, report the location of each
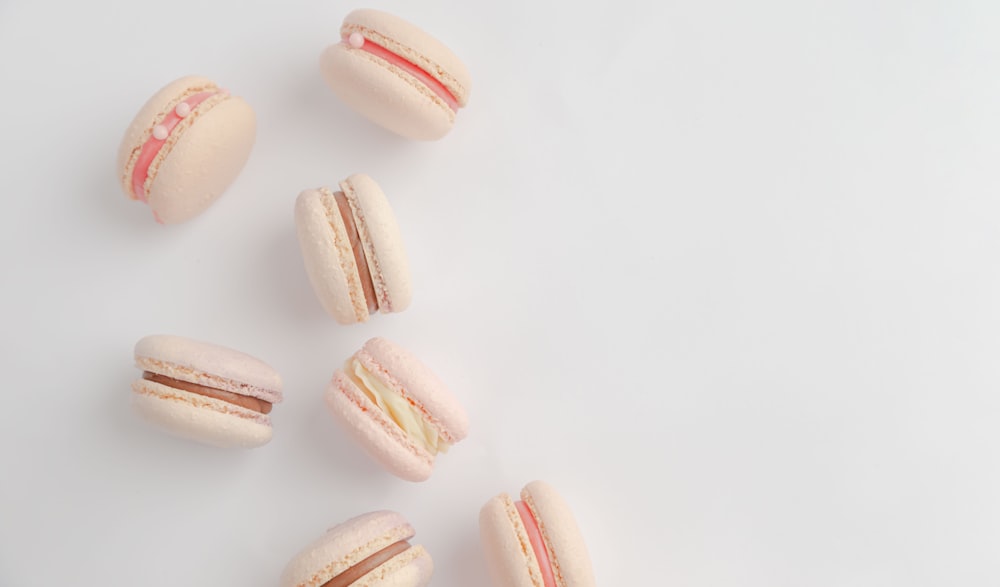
(348, 577)
(537, 543)
(402, 411)
(355, 40)
(243, 401)
(360, 259)
(158, 138)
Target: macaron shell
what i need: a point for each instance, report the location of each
(385, 94)
(408, 376)
(563, 540)
(206, 158)
(199, 418)
(505, 541)
(151, 112)
(371, 428)
(383, 242)
(415, 45)
(208, 364)
(349, 543)
(326, 252)
(412, 568)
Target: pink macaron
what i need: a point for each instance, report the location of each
(396, 408)
(396, 75)
(353, 250)
(205, 392)
(534, 542)
(184, 148)
(370, 550)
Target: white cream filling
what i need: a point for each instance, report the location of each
(396, 407)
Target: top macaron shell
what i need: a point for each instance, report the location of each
(208, 364)
(375, 431)
(507, 547)
(385, 93)
(202, 156)
(197, 417)
(330, 263)
(349, 543)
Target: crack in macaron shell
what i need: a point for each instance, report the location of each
(358, 41)
(243, 401)
(158, 138)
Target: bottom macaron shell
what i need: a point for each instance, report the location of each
(385, 94)
(412, 568)
(505, 542)
(205, 160)
(199, 418)
(354, 541)
(561, 534)
(508, 547)
(318, 239)
(375, 432)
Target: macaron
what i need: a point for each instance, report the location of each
(534, 542)
(353, 250)
(396, 75)
(205, 392)
(370, 550)
(184, 148)
(396, 408)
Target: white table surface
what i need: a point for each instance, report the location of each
(725, 273)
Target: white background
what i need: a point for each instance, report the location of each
(724, 273)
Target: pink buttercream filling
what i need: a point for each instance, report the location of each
(152, 146)
(537, 544)
(408, 66)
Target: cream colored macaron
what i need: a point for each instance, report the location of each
(534, 542)
(205, 392)
(184, 148)
(353, 250)
(396, 75)
(370, 550)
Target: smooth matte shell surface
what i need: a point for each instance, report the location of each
(325, 261)
(150, 113)
(386, 94)
(326, 252)
(199, 418)
(506, 543)
(561, 534)
(383, 241)
(415, 44)
(375, 432)
(402, 371)
(205, 161)
(206, 158)
(208, 364)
